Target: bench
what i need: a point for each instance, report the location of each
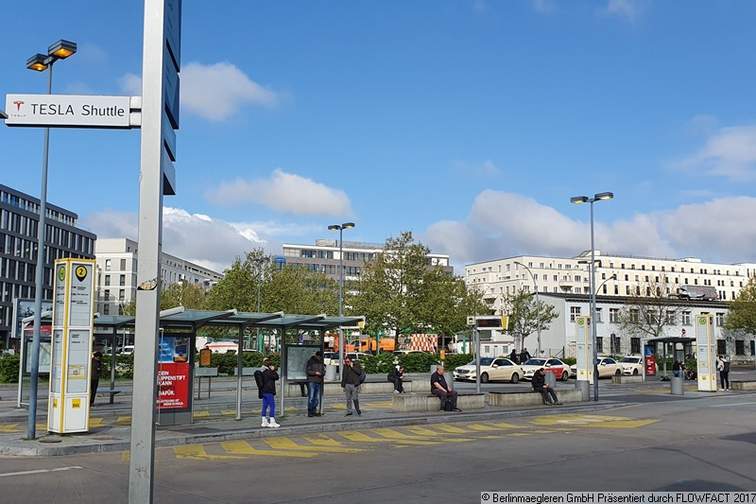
(743, 385)
(619, 379)
(509, 399)
(334, 388)
(429, 402)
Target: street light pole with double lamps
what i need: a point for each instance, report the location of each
(579, 200)
(60, 50)
(340, 228)
(535, 288)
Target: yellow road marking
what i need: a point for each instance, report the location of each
(488, 428)
(228, 412)
(197, 452)
(9, 427)
(450, 428)
(322, 441)
(96, 421)
(435, 438)
(125, 456)
(518, 434)
(359, 437)
(284, 443)
(592, 421)
(123, 420)
(423, 431)
(244, 448)
(201, 414)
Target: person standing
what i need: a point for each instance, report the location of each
(351, 379)
(442, 390)
(677, 369)
(514, 357)
(524, 355)
(723, 366)
(268, 390)
(315, 371)
(539, 385)
(95, 370)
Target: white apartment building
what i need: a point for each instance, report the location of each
(117, 273)
(323, 256)
(615, 276)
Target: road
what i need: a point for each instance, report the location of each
(692, 444)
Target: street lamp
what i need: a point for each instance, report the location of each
(61, 49)
(340, 228)
(535, 289)
(578, 200)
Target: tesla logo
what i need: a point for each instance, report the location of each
(18, 104)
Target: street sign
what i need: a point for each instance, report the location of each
(70, 111)
(584, 349)
(706, 347)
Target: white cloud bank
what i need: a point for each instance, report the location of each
(502, 224)
(215, 92)
(728, 152)
(284, 192)
(199, 238)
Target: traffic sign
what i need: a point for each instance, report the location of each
(72, 111)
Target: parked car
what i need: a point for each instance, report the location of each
(632, 365)
(607, 367)
(550, 365)
(128, 350)
(491, 369)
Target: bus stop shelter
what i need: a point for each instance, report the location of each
(300, 336)
(673, 341)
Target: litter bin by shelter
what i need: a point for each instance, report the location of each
(331, 372)
(677, 385)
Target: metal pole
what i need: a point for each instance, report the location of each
(593, 311)
(341, 300)
(39, 280)
(239, 381)
(146, 326)
(284, 386)
(113, 363)
(476, 335)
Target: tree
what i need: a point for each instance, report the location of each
(742, 313)
(648, 316)
(241, 283)
(526, 316)
(184, 294)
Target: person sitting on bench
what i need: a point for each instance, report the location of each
(440, 389)
(395, 376)
(539, 385)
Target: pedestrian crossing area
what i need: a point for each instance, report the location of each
(355, 441)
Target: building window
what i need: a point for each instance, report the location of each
(614, 315)
(122, 280)
(615, 344)
(720, 319)
(670, 318)
(634, 315)
(599, 317)
(599, 344)
(739, 347)
(635, 345)
(123, 264)
(106, 309)
(753, 348)
(721, 347)
(107, 265)
(686, 318)
(574, 312)
(107, 279)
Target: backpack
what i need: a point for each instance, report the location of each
(363, 376)
(448, 404)
(259, 381)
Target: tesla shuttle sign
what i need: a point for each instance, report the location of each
(73, 111)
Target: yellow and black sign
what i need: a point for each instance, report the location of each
(81, 273)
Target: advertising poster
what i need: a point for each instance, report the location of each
(173, 373)
(584, 349)
(649, 360)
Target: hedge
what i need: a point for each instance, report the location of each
(9, 368)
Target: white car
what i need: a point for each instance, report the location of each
(607, 367)
(499, 369)
(632, 365)
(550, 365)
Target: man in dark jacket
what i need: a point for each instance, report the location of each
(440, 389)
(315, 371)
(94, 376)
(524, 355)
(514, 357)
(539, 385)
(395, 376)
(351, 379)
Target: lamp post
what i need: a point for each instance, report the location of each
(60, 50)
(340, 228)
(578, 200)
(535, 289)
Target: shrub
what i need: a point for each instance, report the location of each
(570, 361)
(377, 364)
(455, 360)
(9, 368)
(418, 362)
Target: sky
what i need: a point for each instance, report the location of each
(470, 123)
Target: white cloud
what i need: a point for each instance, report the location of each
(727, 152)
(626, 9)
(503, 224)
(284, 192)
(215, 92)
(199, 238)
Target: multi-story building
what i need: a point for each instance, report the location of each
(324, 257)
(117, 273)
(615, 276)
(19, 218)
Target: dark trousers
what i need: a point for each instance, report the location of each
(313, 399)
(302, 390)
(398, 385)
(724, 378)
(93, 390)
(446, 396)
(549, 396)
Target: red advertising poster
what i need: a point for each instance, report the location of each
(173, 385)
(650, 361)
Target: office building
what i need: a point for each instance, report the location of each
(323, 256)
(117, 273)
(19, 218)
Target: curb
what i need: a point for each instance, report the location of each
(37, 449)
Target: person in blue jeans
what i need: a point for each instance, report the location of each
(315, 371)
(268, 390)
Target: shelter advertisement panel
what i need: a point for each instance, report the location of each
(70, 355)
(706, 348)
(296, 361)
(584, 348)
(649, 360)
(173, 373)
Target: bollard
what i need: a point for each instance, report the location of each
(677, 385)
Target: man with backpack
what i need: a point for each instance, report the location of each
(315, 371)
(351, 378)
(266, 385)
(444, 392)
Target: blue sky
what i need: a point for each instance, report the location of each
(469, 122)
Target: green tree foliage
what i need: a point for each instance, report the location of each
(742, 313)
(240, 284)
(182, 294)
(526, 316)
(400, 291)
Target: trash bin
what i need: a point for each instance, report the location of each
(331, 372)
(677, 385)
